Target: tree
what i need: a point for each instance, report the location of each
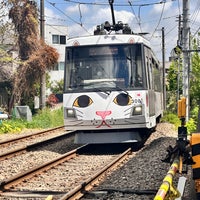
(195, 82)
(7, 61)
(57, 87)
(36, 56)
(173, 87)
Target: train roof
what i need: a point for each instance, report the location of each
(107, 39)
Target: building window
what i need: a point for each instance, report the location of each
(55, 39)
(58, 39)
(62, 39)
(61, 65)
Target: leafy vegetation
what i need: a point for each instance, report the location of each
(195, 84)
(174, 90)
(34, 54)
(57, 86)
(171, 118)
(191, 126)
(36, 57)
(44, 119)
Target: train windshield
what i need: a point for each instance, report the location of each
(105, 66)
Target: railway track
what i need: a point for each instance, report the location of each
(25, 143)
(63, 173)
(28, 137)
(138, 178)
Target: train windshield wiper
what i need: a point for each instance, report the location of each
(99, 83)
(104, 91)
(123, 90)
(102, 85)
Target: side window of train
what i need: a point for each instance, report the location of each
(148, 62)
(151, 74)
(137, 71)
(157, 78)
(148, 72)
(139, 74)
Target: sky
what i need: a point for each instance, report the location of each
(149, 16)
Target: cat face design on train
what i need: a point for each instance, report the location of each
(103, 110)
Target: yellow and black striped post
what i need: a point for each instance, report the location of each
(167, 189)
(195, 144)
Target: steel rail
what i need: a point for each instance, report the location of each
(87, 185)
(31, 146)
(29, 135)
(5, 185)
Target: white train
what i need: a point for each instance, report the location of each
(112, 86)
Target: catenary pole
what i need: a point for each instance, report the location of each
(186, 67)
(43, 76)
(163, 62)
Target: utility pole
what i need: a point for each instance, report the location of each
(179, 45)
(179, 41)
(43, 76)
(163, 62)
(186, 68)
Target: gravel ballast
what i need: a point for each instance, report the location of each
(144, 171)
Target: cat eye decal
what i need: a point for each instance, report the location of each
(82, 101)
(123, 99)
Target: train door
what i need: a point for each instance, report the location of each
(150, 80)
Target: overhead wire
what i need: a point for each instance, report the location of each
(158, 21)
(194, 18)
(140, 5)
(79, 8)
(196, 11)
(171, 30)
(58, 30)
(138, 20)
(195, 14)
(54, 5)
(116, 4)
(129, 3)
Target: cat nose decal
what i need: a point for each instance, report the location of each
(103, 115)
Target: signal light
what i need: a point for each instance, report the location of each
(182, 107)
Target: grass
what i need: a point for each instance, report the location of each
(44, 119)
(47, 118)
(171, 118)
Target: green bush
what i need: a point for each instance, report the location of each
(45, 118)
(11, 126)
(191, 126)
(171, 118)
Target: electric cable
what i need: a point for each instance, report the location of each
(158, 21)
(54, 5)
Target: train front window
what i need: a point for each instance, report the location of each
(113, 66)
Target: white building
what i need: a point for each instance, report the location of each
(56, 36)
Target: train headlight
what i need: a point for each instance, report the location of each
(137, 110)
(70, 113)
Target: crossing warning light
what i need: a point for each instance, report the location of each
(182, 107)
